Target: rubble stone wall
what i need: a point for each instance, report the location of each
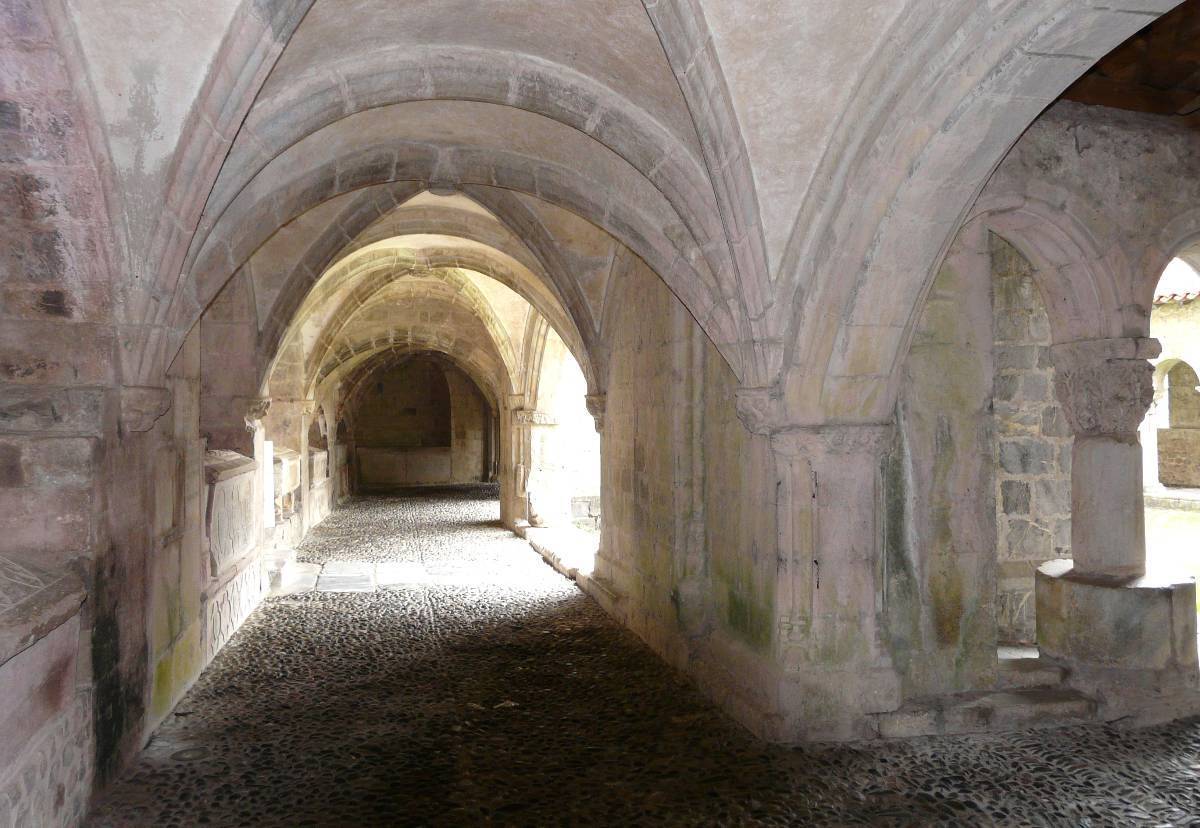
(1033, 443)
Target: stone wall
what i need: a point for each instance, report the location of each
(51, 781)
(60, 409)
(1033, 443)
(176, 572)
(408, 406)
(699, 589)
(1183, 396)
(1179, 457)
(1179, 445)
(418, 423)
(469, 424)
(45, 722)
(209, 536)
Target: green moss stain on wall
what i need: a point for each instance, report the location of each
(745, 609)
(902, 617)
(176, 670)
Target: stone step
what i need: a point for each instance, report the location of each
(982, 712)
(1021, 673)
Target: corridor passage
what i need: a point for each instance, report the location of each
(479, 687)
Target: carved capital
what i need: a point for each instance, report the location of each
(532, 417)
(596, 405)
(308, 408)
(253, 409)
(757, 409)
(872, 440)
(1105, 386)
(141, 406)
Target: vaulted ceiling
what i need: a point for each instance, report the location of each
(792, 170)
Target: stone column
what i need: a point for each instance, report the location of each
(1105, 387)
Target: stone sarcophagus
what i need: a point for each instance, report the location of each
(229, 508)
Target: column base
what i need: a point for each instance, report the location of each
(1129, 643)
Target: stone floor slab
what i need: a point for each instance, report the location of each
(297, 578)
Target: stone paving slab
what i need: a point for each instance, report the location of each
(521, 703)
(398, 573)
(298, 578)
(347, 576)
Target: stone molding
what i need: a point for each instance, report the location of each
(142, 406)
(844, 439)
(532, 417)
(1105, 386)
(758, 410)
(254, 409)
(223, 464)
(597, 404)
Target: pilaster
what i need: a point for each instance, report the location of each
(835, 670)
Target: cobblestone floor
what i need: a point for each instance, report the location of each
(497, 694)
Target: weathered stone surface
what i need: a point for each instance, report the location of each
(50, 781)
(1179, 457)
(1105, 386)
(1034, 475)
(229, 606)
(719, 210)
(940, 495)
(983, 712)
(141, 407)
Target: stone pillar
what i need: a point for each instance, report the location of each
(548, 501)
(1105, 387)
(830, 590)
(835, 670)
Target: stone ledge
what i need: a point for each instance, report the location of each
(1143, 623)
(33, 603)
